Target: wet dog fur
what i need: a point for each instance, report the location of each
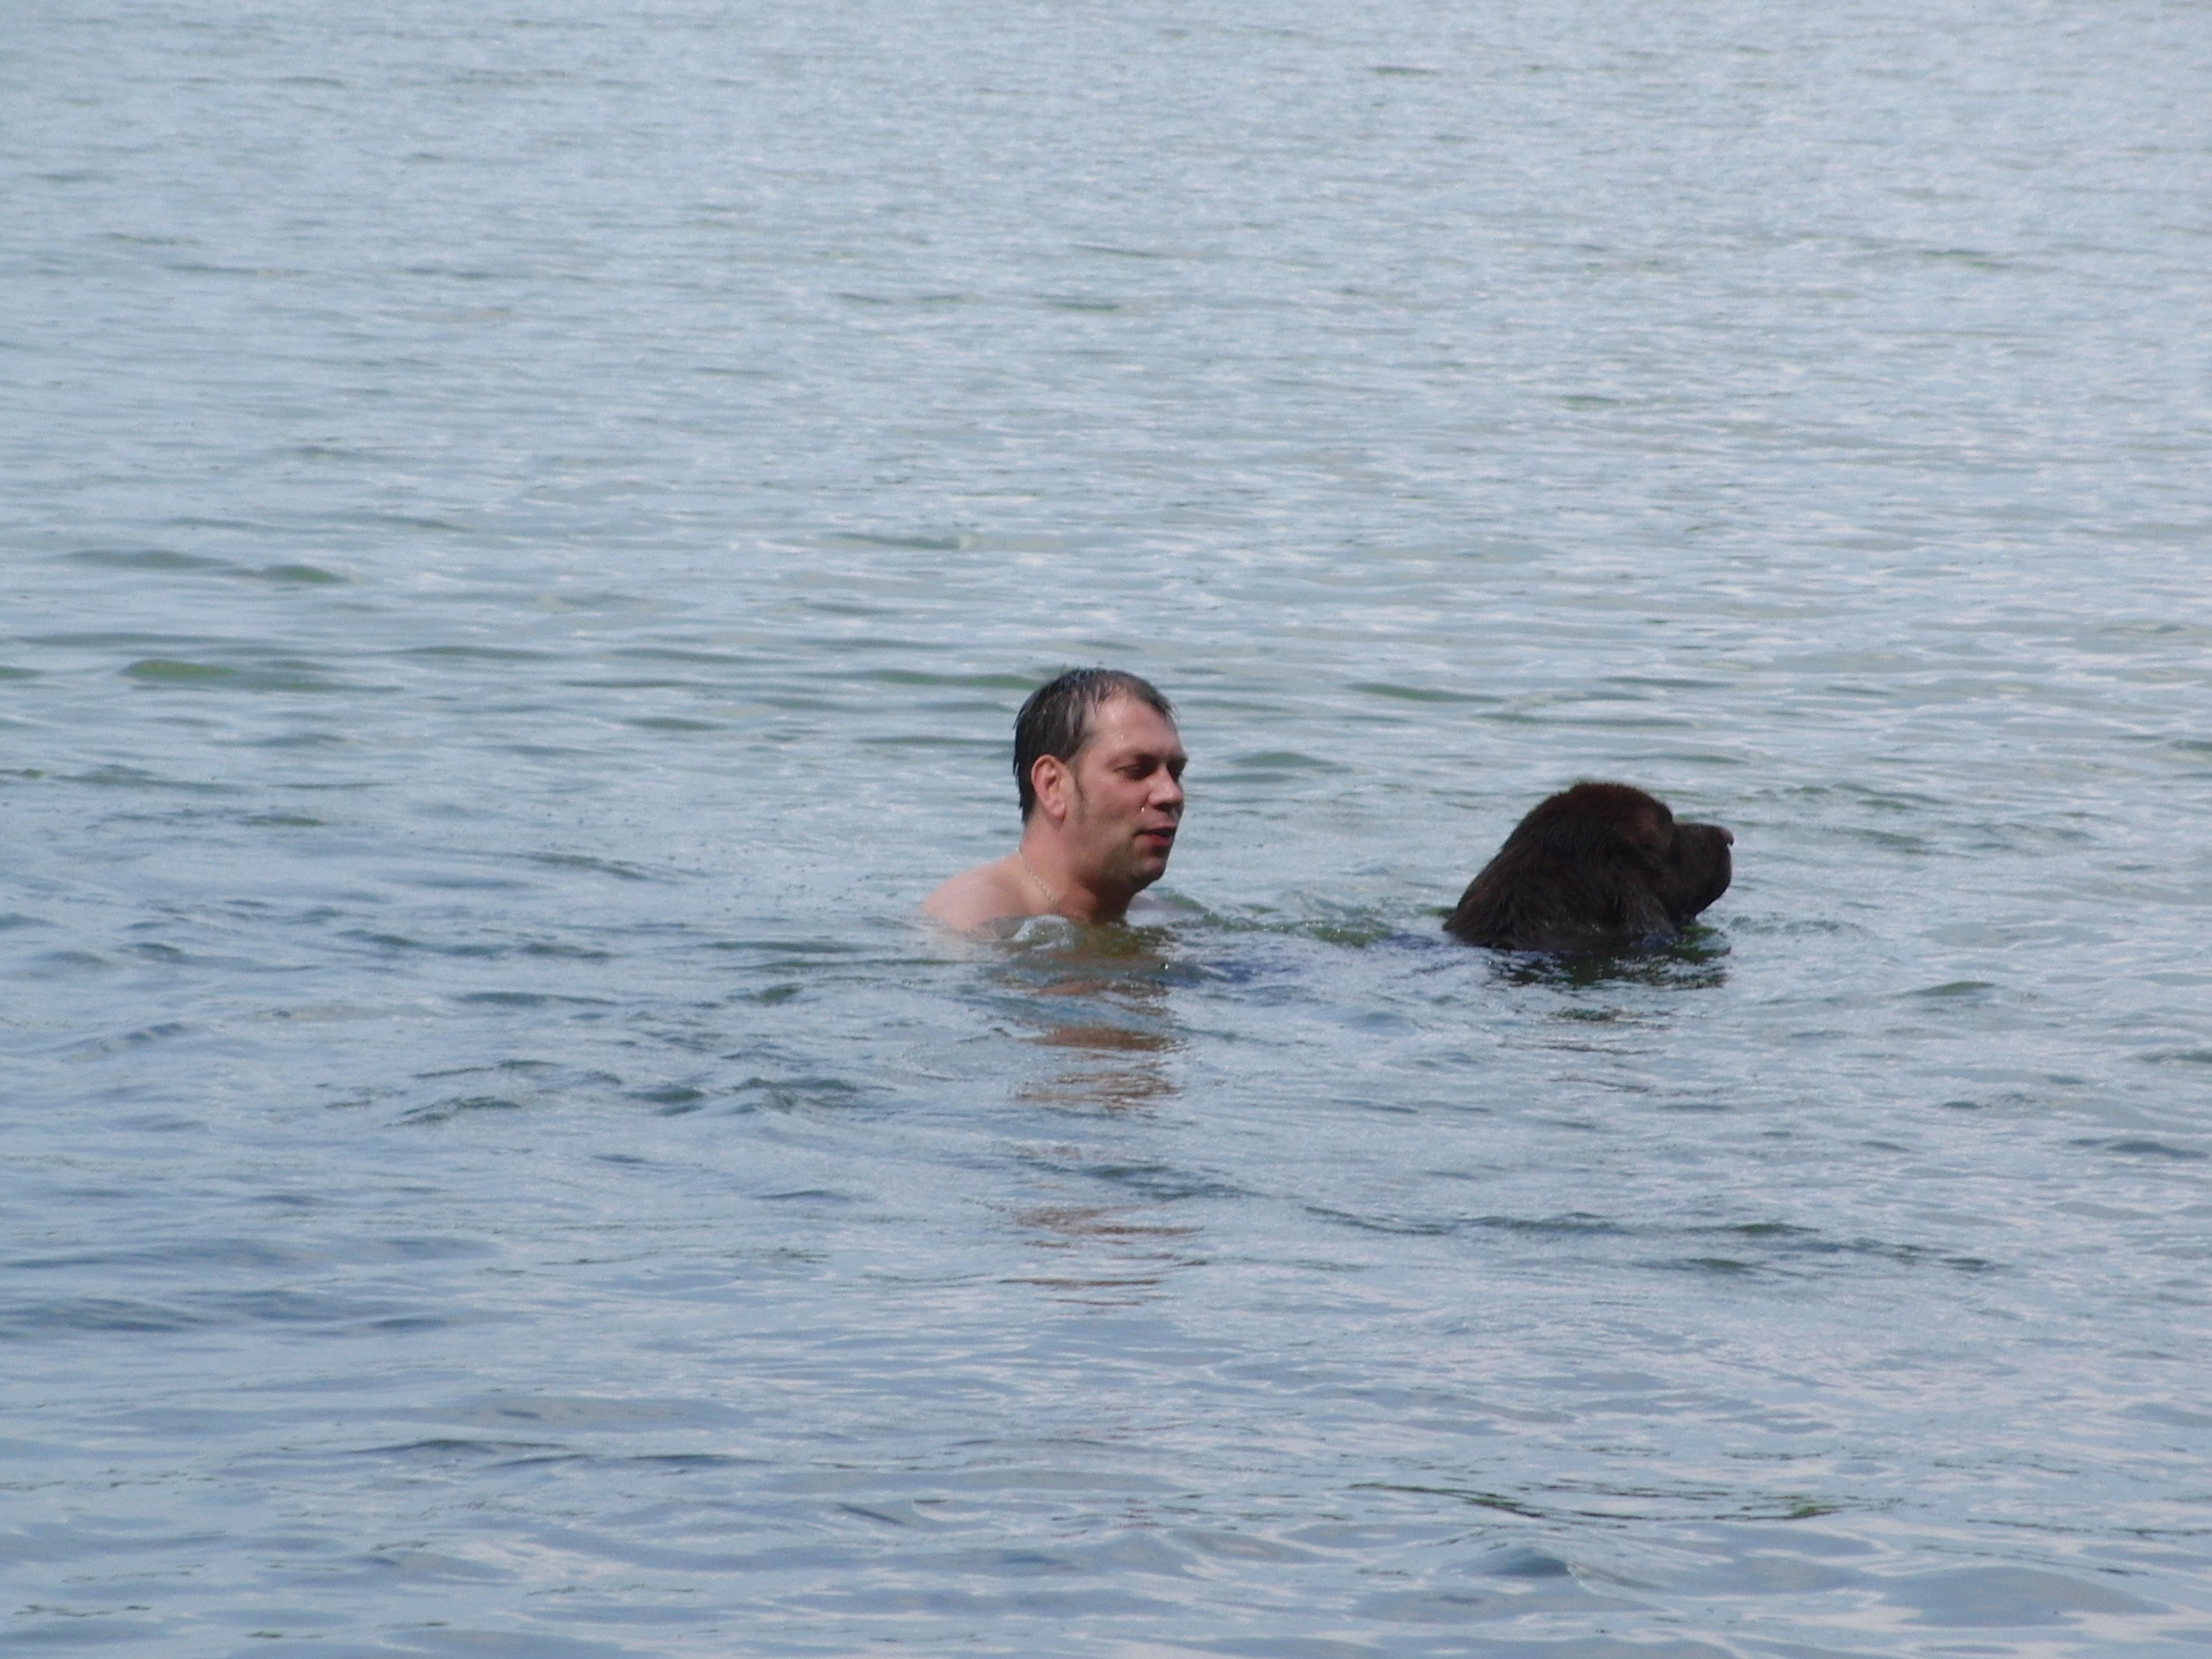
(1602, 866)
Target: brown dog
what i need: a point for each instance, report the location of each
(1597, 867)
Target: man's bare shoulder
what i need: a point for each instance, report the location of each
(986, 893)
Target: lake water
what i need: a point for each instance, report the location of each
(525, 528)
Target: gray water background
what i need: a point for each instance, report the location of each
(525, 529)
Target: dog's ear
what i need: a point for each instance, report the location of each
(1640, 911)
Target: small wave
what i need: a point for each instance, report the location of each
(143, 558)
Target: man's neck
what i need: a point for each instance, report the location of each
(1049, 874)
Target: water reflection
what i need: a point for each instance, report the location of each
(1095, 1000)
(1118, 1069)
(1098, 996)
(1102, 1254)
(1697, 961)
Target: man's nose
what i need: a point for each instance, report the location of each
(1169, 793)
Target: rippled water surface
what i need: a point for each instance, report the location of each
(525, 529)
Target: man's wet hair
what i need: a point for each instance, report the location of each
(1056, 719)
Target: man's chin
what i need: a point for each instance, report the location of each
(1139, 871)
(1150, 869)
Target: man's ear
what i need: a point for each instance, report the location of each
(1049, 776)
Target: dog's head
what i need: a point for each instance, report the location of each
(1600, 865)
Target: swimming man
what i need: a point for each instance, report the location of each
(1098, 765)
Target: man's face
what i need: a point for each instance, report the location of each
(1126, 787)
